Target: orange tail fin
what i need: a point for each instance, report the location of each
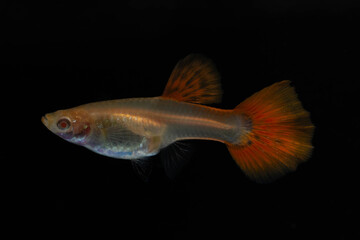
(280, 134)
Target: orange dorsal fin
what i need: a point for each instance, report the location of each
(194, 79)
(279, 134)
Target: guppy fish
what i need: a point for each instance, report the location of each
(267, 135)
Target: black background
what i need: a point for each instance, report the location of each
(60, 54)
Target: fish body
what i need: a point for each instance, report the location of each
(140, 127)
(268, 134)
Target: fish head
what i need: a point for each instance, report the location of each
(72, 125)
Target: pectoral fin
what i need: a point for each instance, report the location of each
(120, 135)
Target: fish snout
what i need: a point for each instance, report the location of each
(45, 120)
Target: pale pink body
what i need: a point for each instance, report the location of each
(140, 127)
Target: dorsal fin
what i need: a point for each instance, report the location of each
(194, 79)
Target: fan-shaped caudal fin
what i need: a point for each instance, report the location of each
(280, 134)
(194, 79)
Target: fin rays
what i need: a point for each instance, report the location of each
(174, 158)
(280, 136)
(194, 79)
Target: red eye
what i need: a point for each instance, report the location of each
(63, 124)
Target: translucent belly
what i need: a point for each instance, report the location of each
(158, 122)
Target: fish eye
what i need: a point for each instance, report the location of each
(63, 124)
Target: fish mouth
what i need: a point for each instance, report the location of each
(44, 120)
